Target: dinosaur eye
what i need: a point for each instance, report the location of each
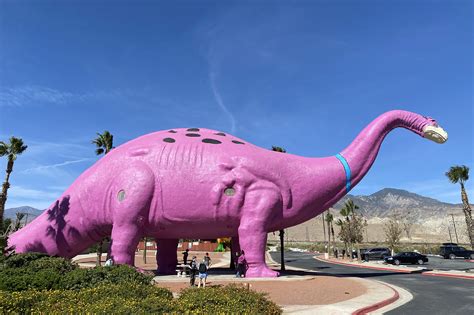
(229, 191)
(121, 195)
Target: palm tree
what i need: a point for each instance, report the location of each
(330, 220)
(104, 143)
(282, 232)
(460, 174)
(11, 150)
(348, 212)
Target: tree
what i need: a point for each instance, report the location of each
(9, 226)
(104, 144)
(460, 174)
(282, 232)
(393, 231)
(351, 226)
(11, 150)
(329, 219)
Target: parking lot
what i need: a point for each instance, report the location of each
(439, 263)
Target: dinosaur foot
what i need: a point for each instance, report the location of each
(261, 272)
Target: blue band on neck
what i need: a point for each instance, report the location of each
(347, 169)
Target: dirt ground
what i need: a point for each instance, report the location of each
(317, 290)
(320, 290)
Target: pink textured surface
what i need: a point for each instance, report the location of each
(171, 185)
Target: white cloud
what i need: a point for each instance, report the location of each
(42, 168)
(21, 196)
(20, 96)
(218, 99)
(34, 95)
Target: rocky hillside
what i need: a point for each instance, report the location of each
(431, 218)
(388, 201)
(32, 212)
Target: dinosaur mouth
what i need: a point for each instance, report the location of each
(435, 133)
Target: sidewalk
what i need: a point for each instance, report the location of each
(297, 291)
(300, 291)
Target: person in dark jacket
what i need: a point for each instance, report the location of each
(192, 271)
(185, 256)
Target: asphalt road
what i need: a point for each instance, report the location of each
(431, 295)
(448, 264)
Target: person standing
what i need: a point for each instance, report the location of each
(185, 256)
(241, 265)
(207, 259)
(192, 271)
(202, 272)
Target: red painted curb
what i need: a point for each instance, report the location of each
(378, 305)
(434, 274)
(470, 260)
(368, 267)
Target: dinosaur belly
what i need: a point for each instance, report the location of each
(194, 199)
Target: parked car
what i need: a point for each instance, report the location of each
(375, 253)
(452, 250)
(406, 258)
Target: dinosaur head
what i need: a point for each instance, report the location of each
(433, 132)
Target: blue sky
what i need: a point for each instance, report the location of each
(307, 76)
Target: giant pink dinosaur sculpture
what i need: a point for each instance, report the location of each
(200, 183)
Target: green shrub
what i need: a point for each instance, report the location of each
(88, 278)
(37, 271)
(57, 264)
(223, 300)
(21, 260)
(114, 298)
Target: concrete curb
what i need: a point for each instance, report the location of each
(380, 297)
(378, 305)
(448, 274)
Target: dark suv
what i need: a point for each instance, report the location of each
(375, 253)
(452, 250)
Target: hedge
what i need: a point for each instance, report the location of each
(35, 283)
(133, 298)
(223, 300)
(37, 271)
(111, 298)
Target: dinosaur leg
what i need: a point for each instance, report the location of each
(132, 192)
(259, 207)
(166, 256)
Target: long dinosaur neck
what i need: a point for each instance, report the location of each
(361, 153)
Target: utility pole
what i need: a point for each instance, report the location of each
(455, 232)
(450, 238)
(324, 227)
(282, 250)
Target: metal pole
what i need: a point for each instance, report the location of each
(282, 249)
(324, 227)
(455, 232)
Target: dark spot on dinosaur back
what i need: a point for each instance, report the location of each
(220, 134)
(237, 142)
(193, 135)
(173, 131)
(193, 129)
(212, 141)
(169, 140)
